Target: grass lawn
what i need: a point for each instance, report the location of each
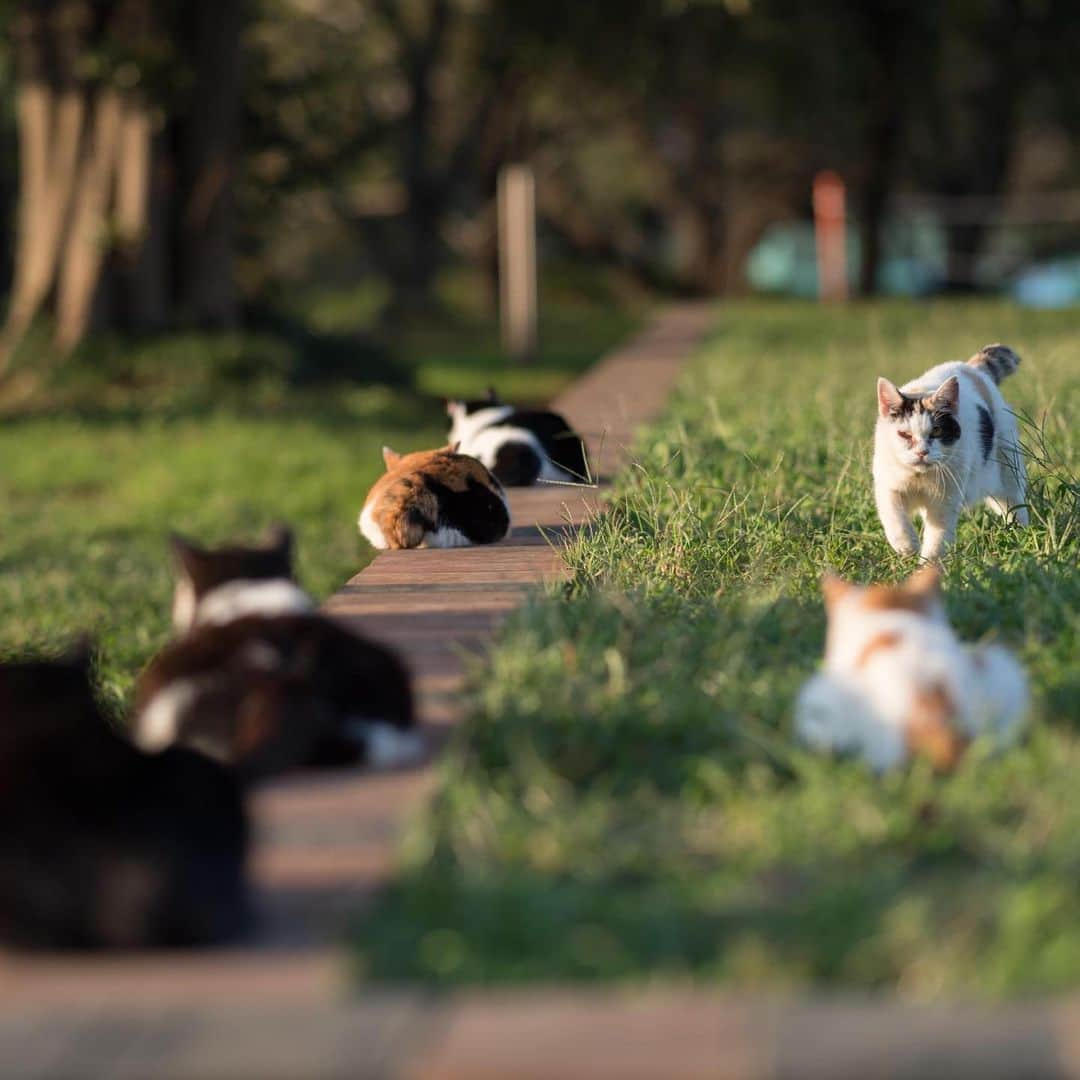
(625, 801)
(219, 435)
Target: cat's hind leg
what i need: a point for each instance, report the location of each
(1010, 498)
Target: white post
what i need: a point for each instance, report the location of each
(517, 261)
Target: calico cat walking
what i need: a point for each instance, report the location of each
(262, 681)
(434, 498)
(520, 446)
(898, 682)
(103, 846)
(943, 442)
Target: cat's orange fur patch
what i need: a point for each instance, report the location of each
(887, 639)
(931, 732)
(919, 594)
(399, 488)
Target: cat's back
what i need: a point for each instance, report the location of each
(436, 498)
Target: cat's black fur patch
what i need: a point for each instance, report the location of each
(207, 568)
(946, 427)
(986, 431)
(280, 692)
(103, 846)
(477, 512)
(517, 464)
(563, 446)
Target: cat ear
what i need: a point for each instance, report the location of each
(925, 583)
(453, 408)
(186, 554)
(390, 457)
(279, 537)
(452, 448)
(493, 396)
(946, 396)
(889, 397)
(834, 588)
(79, 654)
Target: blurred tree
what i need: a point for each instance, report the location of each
(126, 116)
(395, 110)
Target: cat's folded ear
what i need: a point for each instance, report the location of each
(186, 553)
(279, 537)
(946, 396)
(925, 582)
(889, 397)
(78, 654)
(834, 588)
(390, 457)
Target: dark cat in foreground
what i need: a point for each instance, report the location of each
(103, 846)
(258, 679)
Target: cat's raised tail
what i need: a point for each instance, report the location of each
(998, 361)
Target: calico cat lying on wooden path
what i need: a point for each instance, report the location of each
(434, 498)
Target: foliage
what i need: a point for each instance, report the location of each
(625, 800)
(218, 436)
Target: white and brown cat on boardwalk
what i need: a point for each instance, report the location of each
(260, 680)
(434, 498)
(897, 681)
(943, 442)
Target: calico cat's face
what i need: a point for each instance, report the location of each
(201, 570)
(920, 432)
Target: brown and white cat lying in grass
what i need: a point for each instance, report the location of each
(259, 679)
(434, 498)
(103, 846)
(897, 682)
(943, 442)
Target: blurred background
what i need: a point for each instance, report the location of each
(244, 243)
(322, 166)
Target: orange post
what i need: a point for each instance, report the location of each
(830, 235)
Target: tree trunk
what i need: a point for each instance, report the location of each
(84, 252)
(208, 149)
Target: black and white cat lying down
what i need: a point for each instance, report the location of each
(520, 446)
(259, 679)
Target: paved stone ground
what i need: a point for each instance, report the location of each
(280, 1007)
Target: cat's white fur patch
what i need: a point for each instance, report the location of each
(369, 530)
(477, 437)
(445, 537)
(388, 747)
(863, 704)
(157, 725)
(236, 599)
(183, 612)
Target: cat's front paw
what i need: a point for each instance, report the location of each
(902, 543)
